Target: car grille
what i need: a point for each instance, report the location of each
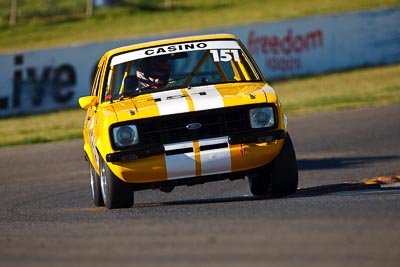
(214, 123)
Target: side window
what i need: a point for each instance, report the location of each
(114, 82)
(96, 81)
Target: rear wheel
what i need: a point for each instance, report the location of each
(116, 193)
(96, 186)
(278, 178)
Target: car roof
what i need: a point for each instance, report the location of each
(219, 36)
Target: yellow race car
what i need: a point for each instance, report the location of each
(184, 111)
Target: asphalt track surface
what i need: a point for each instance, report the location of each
(47, 217)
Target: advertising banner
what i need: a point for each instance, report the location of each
(324, 44)
(43, 80)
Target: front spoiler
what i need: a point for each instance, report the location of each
(254, 136)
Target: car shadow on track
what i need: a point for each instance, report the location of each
(301, 193)
(340, 162)
(308, 164)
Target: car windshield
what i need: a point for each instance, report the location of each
(181, 65)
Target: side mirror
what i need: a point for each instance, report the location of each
(86, 102)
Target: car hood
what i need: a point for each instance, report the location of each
(193, 99)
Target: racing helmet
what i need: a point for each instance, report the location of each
(153, 73)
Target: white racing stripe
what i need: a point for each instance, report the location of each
(212, 161)
(184, 164)
(180, 165)
(216, 160)
(206, 97)
(171, 102)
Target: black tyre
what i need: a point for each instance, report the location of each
(278, 178)
(116, 193)
(259, 182)
(96, 187)
(284, 171)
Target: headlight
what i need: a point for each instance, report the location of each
(126, 135)
(262, 117)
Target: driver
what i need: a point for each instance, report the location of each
(153, 73)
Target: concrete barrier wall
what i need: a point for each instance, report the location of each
(42, 80)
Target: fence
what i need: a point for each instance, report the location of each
(42, 80)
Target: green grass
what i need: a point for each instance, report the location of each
(336, 91)
(40, 128)
(43, 23)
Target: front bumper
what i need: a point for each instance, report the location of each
(253, 136)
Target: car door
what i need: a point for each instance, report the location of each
(90, 118)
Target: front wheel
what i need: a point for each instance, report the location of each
(284, 171)
(278, 178)
(116, 193)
